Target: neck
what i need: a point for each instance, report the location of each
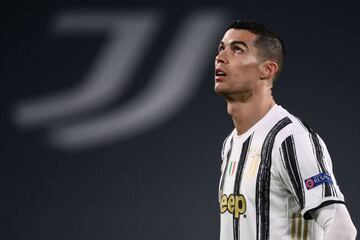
(247, 110)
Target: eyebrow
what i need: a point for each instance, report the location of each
(235, 43)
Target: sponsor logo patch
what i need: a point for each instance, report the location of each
(234, 204)
(322, 178)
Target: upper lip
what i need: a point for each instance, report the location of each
(219, 72)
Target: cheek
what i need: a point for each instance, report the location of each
(246, 71)
(244, 64)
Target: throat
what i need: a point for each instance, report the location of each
(245, 115)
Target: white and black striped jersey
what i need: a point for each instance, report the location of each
(272, 176)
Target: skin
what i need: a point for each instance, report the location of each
(248, 81)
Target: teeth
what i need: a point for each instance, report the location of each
(220, 73)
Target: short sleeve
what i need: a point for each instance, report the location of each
(306, 170)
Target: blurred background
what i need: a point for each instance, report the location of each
(110, 127)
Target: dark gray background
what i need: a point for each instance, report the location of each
(162, 184)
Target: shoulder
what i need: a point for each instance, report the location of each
(226, 146)
(297, 128)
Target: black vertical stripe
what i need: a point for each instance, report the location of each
(320, 157)
(292, 168)
(238, 178)
(263, 182)
(317, 162)
(314, 152)
(223, 146)
(329, 189)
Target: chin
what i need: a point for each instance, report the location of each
(218, 90)
(218, 87)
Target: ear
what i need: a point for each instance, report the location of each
(268, 69)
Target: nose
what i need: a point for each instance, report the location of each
(221, 57)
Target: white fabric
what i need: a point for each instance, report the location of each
(335, 221)
(285, 213)
(308, 166)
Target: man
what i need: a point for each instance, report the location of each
(277, 180)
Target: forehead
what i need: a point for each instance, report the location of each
(239, 35)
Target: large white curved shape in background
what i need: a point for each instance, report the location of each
(175, 81)
(128, 34)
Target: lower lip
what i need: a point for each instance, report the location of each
(219, 78)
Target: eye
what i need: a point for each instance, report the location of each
(220, 48)
(236, 48)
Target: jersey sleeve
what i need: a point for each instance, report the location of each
(306, 171)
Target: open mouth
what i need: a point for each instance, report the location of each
(219, 73)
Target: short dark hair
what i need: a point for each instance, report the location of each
(270, 45)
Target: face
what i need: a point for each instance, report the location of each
(237, 63)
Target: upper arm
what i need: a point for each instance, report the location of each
(306, 171)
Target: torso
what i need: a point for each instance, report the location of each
(254, 201)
